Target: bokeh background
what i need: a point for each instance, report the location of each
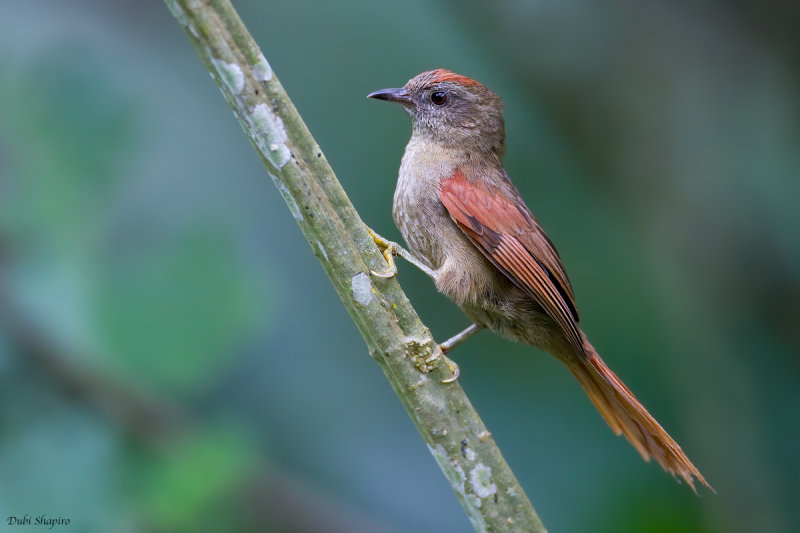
(173, 358)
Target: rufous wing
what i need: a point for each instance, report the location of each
(500, 225)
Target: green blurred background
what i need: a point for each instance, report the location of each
(173, 358)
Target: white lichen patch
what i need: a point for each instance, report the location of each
(287, 196)
(461, 477)
(362, 288)
(474, 500)
(452, 471)
(455, 474)
(261, 70)
(480, 478)
(469, 453)
(230, 74)
(322, 250)
(269, 134)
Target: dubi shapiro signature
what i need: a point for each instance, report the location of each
(38, 520)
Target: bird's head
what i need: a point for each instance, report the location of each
(451, 110)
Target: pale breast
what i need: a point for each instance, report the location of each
(422, 221)
(417, 210)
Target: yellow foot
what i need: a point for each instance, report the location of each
(389, 249)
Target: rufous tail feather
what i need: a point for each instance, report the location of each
(626, 415)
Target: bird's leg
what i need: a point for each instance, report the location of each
(458, 338)
(451, 343)
(389, 250)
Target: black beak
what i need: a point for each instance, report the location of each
(393, 95)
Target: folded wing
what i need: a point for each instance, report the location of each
(500, 225)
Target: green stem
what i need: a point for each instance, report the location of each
(395, 336)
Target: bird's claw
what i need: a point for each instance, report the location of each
(388, 249)
(453, 368)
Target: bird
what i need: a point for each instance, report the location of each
(467, 226)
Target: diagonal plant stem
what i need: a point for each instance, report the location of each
(395, 336)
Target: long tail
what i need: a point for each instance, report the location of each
(626, 415)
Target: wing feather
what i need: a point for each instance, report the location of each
(503, 229)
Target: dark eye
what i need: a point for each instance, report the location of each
(439, 98)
